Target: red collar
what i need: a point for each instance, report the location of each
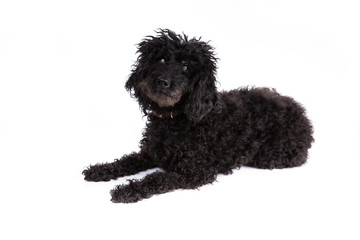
(165, 115)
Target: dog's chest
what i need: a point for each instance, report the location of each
(165, 140)
(167, 143)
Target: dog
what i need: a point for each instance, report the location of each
(195, 132)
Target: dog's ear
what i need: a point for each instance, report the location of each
(132, 86)
(204, 96)
(146, 54)
(131, 82)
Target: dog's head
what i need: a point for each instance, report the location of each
(174, 73)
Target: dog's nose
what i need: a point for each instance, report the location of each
(163, 82)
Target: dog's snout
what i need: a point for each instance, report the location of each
(162, 82)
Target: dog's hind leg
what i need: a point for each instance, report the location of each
(127, 165)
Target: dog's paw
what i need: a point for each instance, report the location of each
(126, 194)
(97, 173)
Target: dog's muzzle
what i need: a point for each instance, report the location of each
(160, 98)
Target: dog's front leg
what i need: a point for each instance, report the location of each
(155, 183)
(127, 165)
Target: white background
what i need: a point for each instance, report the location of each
(63, 106)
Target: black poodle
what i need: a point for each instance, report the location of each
(195, 132)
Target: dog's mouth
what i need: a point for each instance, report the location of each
(163, 99)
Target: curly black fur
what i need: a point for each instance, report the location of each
(195, 132)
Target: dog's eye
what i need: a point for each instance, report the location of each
(185, 67)
(162, 61)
